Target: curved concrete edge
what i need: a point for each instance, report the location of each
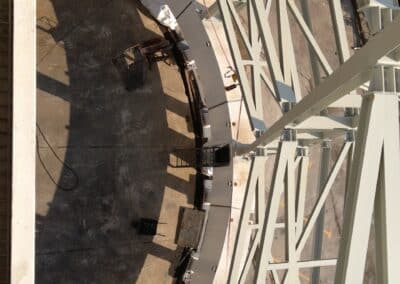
(219, 198)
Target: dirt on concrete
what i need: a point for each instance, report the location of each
(103, 152)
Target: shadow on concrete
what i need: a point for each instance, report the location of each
(117, 152)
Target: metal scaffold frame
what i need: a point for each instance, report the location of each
(367, 87)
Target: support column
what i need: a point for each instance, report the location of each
(376, 154)
(387, 212)
(24, 143)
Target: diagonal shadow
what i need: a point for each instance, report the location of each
(118, 143)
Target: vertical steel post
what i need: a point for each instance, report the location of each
(376, 154)
(24, 142)
(301, 190)
(319, 229)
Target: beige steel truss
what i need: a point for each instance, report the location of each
(370, 150)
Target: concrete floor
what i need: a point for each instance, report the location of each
(111, 146)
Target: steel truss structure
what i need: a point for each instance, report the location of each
(367, 87)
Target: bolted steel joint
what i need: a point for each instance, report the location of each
(289, 135)
(350, 136)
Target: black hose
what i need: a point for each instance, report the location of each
(66, 166)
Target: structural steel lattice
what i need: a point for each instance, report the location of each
(367, 87)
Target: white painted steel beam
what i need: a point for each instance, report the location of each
(286, 156)
(304, 264)
(372, 170)
(328, 122)
(284, 91)
(340, 30)
(251, 88)
(350, 101)
(254, 201)
(292, 275)
(376, 153)
(354, 72)
(373, 179)
(322, 198)
(289, 68)
(310, 37)
(301, 193)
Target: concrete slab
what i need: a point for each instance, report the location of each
(115, 143)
